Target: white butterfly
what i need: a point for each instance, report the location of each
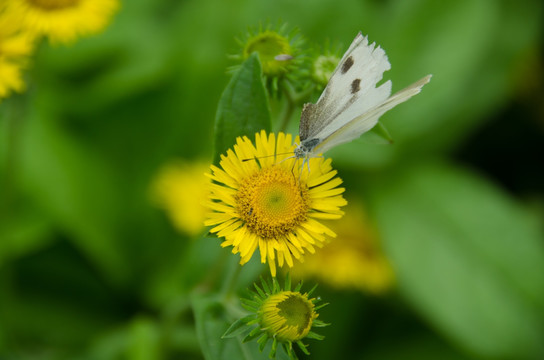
(351, 104)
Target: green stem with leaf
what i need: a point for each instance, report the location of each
(293, 99)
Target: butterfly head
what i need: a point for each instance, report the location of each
(305, 151)
(300, 152)
(306, 147)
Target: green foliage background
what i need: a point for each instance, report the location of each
(90, 269)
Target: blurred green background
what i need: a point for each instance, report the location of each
(91, 269)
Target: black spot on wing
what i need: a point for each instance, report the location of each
(347, 65)
(355, 86)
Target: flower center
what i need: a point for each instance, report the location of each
(269, 44)
(53, 4)
(288, 315)
(272, 202)
(297, 312)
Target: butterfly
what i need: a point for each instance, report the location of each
(351, 103)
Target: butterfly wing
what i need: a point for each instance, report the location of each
(366, 121)
(351, 90)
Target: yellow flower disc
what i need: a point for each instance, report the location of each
(272, 203)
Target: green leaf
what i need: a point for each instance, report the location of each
(249, 304)
(261, 292)
(287, 285)
(211, 323)
(239, 327)
(467, 257)
(312, 290)
(303, 347)
(243, 108)
(272, 353)
(266, 287)
(319, 323)
(252, 335)
(262, 341)
(313, 335)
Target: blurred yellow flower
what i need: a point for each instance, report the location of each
(262, 198)
(181, 189)
(62, 20)
(15, 47)
(353, 260)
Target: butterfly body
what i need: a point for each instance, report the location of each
(306, 147)
(352, 102)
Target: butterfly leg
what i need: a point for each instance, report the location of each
(294, 164)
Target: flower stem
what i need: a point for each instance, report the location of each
(287, 115)
(229, 285)
(293, 100)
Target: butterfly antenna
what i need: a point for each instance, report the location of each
(265, 156)
(257, 158)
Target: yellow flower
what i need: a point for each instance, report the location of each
(181, 189)
(15, 47)
(280, 315)
(355, 256)
(62, 20)
(262, 197)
